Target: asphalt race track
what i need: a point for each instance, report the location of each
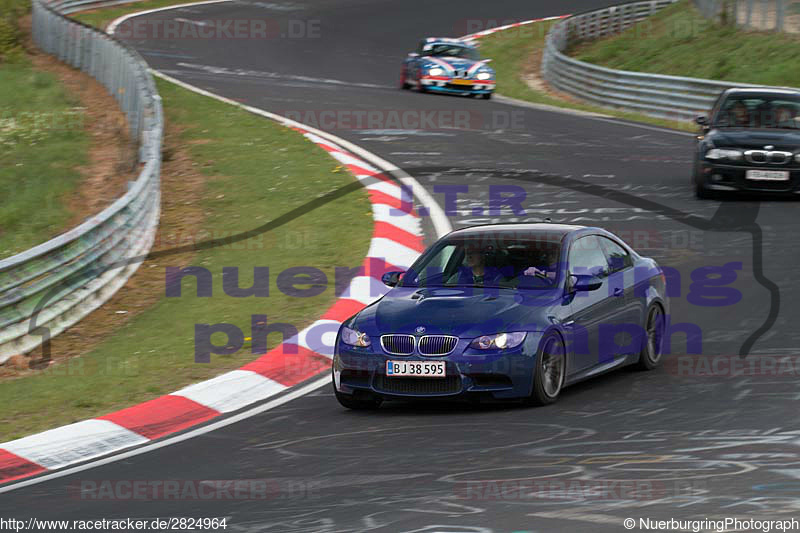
(693, 445)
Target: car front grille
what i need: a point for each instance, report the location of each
(398, 344)
(762, 157)
(445, 385)
(437, 344)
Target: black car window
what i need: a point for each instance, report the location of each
(618, 257)
(586, 256)
(508, 260)
(450, 50)
(759, 111)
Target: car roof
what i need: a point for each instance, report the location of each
(533, 227)
(761, 90)
(448, 40)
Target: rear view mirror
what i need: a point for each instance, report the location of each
(585, 282)
(390, 279)
(701, 120)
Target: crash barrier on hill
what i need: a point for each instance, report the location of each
(671, 97)
(49, 287)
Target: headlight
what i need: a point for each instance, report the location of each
(498, 341)
(436, 71)
(355, 338)
(483, 76)
(722, 153)
(797, 157)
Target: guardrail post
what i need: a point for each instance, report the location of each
(780, 12)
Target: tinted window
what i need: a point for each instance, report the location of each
(618, 257)
(510, 260)
(759, 111)
(450, 50)
(587, 257)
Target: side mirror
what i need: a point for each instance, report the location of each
(390, 279)
(585, 282)
(701, 120)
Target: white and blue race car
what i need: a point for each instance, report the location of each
(448, 66)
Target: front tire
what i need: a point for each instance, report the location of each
(357, 404)
(652, 344)
(551, 370)
(699, 190)
(404, 85)
(486, 96)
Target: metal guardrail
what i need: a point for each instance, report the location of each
(671, 97)
(46, 289)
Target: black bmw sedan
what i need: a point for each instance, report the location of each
(750, 142)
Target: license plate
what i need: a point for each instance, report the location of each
(768, 175)
(415, 369)
(462, 82)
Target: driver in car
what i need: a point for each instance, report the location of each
(784, 117)
(739, 115)
(474, 270)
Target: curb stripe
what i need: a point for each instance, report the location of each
(161, 416)
(289, 364)
(15, 467)
(385, 230)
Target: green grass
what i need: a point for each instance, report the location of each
(42, 144)
(256, 171)
(100, 18)
(511, 50)
(679, 41)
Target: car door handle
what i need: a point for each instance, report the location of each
(618, 291)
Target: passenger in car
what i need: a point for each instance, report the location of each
(785, 117)
(739, 115)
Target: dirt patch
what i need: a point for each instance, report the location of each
(112, 153)
(182, 187)
(531, 75)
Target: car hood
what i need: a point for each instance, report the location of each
(461, 311)
(457, 63)
(755, 138)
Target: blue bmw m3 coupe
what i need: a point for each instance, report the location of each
(505, 311)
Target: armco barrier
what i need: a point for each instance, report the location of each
(46, 289)
(671, 97)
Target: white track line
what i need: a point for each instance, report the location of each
(314, 385)
(116, 22)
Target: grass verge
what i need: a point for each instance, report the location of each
(679, 41)
(516, 57)
(253, 171)
(100, 18)
(42, 145)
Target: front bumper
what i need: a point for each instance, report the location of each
(726, 177)
(444, 85)
(501, 375)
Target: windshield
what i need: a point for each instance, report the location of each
(450, 50)
(759, 111)
(527, 261)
